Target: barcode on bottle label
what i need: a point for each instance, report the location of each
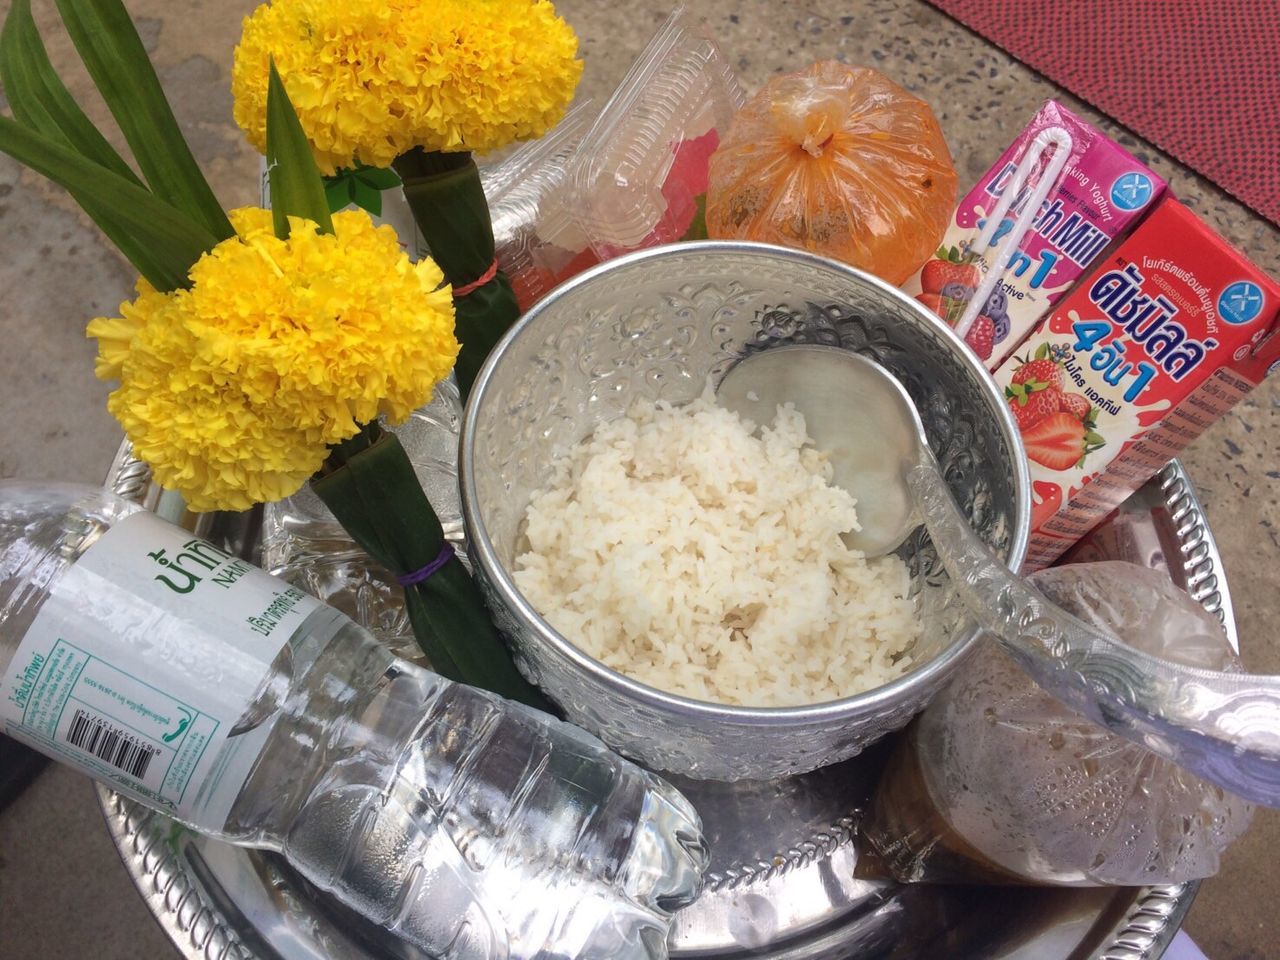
(111, 744)
(144, 657)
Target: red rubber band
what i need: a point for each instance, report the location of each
(476, 284)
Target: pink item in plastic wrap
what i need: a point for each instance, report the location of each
(626, 177)
(685, 184)
(1101, 193)
(641, 169)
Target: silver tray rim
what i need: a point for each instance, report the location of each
(199, 929)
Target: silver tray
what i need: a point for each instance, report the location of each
(781, 885)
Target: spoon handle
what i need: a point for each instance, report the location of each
(1223, 726)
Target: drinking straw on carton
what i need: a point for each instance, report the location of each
(1059, 138)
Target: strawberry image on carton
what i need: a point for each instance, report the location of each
(1101, 193)
(1164, 338)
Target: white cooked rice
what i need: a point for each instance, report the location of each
(682, 551)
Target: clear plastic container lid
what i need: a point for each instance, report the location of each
(537, 242)
(640, 169)
(533, 168)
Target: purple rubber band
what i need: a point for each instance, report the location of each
(443, 557)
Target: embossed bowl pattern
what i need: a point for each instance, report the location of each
(656, 325)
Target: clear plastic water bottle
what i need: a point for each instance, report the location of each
(195, 683)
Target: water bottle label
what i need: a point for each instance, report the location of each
(142, 662)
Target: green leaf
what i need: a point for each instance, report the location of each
(296, 187)
(363, 195)
(380, 178)
(39, 100)
(118, 206)
(154, 262)
(698, 226)
(38, 97)
(360, 185)
(337, 192)
(1042, 352)
(378, 499)
(1094, 438)
(114, 55)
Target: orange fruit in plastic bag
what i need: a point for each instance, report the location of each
(838, 160)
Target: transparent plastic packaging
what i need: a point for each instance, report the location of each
(640, 173)
(538, 243)
(471, 827)
(998, 782)
(837, 160)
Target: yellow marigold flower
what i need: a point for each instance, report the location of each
(372, 79)
(114, 335)
(233, 390)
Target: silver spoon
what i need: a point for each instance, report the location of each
(1223, 726)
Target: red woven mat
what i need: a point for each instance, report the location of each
(1198, 78)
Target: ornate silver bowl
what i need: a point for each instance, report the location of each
(656, 325)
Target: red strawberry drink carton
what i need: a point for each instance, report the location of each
(1095, 194)
(1162, 340)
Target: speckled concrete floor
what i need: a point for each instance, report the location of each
(63, 894)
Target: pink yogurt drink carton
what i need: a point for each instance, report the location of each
(1167, 334)
(1099, 195)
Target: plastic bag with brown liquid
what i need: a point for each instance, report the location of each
(998, 782)
(840, 161)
